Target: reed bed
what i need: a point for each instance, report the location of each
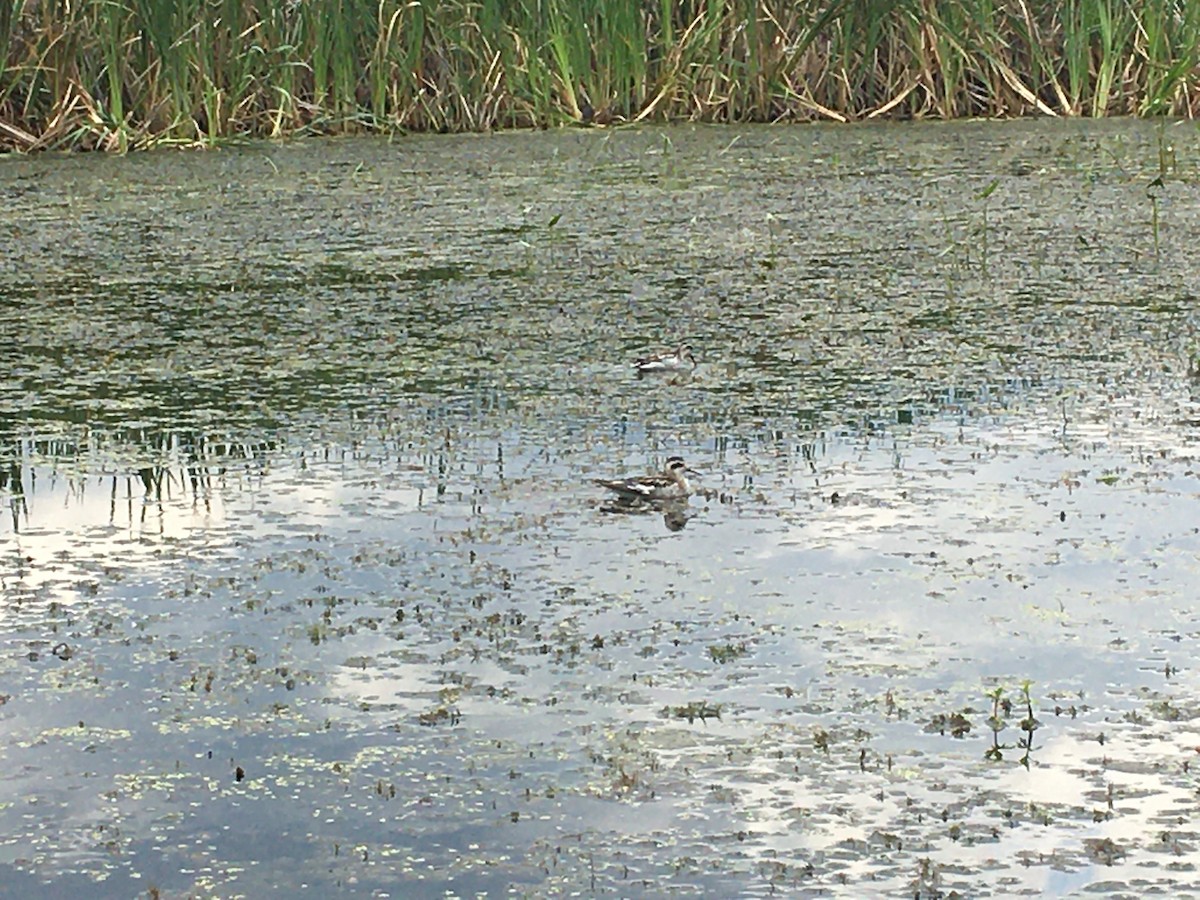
(116, 74)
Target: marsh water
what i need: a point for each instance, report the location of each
(308, 591)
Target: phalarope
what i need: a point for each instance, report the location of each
(668, 361)
(671, 484)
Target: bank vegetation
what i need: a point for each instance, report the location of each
(120, 74)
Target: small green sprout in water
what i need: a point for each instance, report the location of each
(771, 261)
(1029, 723)
(1001, 707)
(1167, 711)
(1166, 163)
(668, 156)
(725, 653)
(440, 715)
(1103, 850)
(697, 709)
(984, 196)
(528, 246)
(890, 707)
(625, 781)
(928, 880)
(1002, 710)
(999, 702)
(821, 739)
(1153, 192)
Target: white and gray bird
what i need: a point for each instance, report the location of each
(668, 361)
(670, 484)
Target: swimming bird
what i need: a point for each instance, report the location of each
(667, 361)
(670, 484)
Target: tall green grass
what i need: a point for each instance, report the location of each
(116, 74)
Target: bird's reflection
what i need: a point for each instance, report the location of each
(675, 513)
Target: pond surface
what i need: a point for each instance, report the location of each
(308, 591)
